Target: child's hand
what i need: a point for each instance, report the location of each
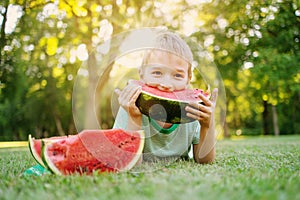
(127, 98)
(203, 113)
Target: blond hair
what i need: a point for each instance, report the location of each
(172, 43)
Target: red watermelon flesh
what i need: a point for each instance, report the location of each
(70, 156)
(186, 95)
(35, 147)
(110, 150)
(167, 106)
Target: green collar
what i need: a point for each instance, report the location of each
(162, 130)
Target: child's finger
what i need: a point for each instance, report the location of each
(196, 114)
(118, 91)
(136, 94)
(205, 100)
(196, 108)
(130, 81)
(130, 91)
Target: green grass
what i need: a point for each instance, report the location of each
(255, 168)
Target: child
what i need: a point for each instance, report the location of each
(168, 67)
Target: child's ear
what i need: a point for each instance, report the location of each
(188, 82)
(187, 85)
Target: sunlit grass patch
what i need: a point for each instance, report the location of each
(252, 168)
(13, 144)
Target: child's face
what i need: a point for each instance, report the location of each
(166, 71)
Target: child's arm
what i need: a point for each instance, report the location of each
(204, 151)
(127, 98)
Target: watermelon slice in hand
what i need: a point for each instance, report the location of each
(167, 106)
(91, 151)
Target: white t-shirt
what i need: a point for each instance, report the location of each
(161, 143)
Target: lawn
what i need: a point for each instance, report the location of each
(248, 168)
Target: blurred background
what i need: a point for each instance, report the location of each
(44, 44)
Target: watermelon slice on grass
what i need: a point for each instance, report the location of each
(35, 147)
(94, 151)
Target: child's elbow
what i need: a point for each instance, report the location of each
(208, 159)
(205, 160)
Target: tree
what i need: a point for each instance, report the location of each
(51, 44)
(276, 63)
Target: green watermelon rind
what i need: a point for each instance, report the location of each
(34, 154)
(175, 109)
(48, 163)
(52, 168)
(139, 153)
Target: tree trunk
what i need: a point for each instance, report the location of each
(90, 120)
(58, 125)
(275, 120)
(226, 130)
(265, 118)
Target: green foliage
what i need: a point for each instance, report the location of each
(253, 168)
(255, 45)
(258, 56)
(277, 63)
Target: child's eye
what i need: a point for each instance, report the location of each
(179, 75)
(157, 73)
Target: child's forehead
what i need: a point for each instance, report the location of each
(167, 58)
(166, 68)
(167, 62)
(163, 52)
(161, 56)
